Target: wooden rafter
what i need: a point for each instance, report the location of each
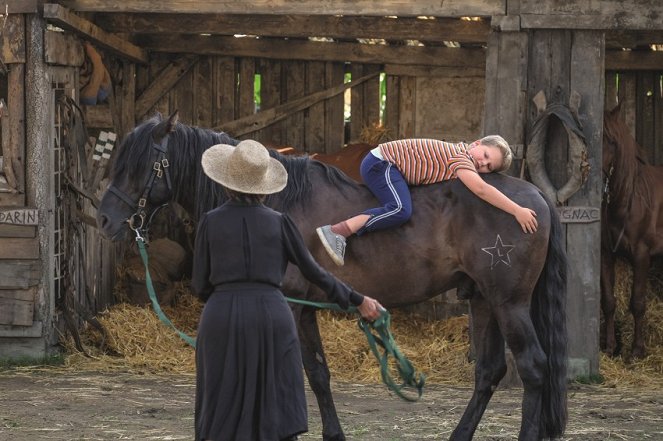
(66, 19)
(315, 51)
(301, 26)
(447, 8)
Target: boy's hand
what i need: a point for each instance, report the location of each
(527, 219)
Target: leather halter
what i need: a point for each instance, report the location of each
(160, 168)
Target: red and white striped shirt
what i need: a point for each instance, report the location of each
(426, 161)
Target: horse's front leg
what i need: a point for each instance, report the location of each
(490, 366)
(317, 372)
(608, 303)
(638, 304)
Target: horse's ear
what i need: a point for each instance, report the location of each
(172, 121)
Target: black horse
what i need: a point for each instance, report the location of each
(452, 238)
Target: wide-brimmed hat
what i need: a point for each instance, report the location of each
(247, 168)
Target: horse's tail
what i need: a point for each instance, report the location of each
(549, 316)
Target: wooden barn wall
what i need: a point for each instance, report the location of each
(419, 102)
(641, 96)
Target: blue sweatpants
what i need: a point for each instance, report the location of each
(389, 186)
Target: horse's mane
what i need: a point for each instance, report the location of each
(300, 185)
(628, 177)
(185, 148)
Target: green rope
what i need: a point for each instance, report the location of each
(381, 326)
(153, 297)
(384, 339)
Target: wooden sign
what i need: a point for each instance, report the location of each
(19, 216)
(579, 215)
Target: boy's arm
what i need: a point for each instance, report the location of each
(525, 217)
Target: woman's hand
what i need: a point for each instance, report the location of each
(527, 219)
(370, 309)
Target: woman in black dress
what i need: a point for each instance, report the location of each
(249, 379)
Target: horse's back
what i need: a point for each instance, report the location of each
(452, 234)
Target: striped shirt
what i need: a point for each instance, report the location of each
(426, 161)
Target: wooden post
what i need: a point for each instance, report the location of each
(562, 62)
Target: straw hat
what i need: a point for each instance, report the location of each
(247, 168)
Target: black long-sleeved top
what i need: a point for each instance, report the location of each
(252, 243)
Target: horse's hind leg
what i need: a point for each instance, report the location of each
(608, 303)
(317, 372)
(490, 367)
(638, 305)
(516, 324)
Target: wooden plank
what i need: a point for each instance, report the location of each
(24, 295)
(407, 105)
(19, 248)
(163, 83)
(202, 92)
(19, 216)
(17, 307)
(246, 99)
(314, 128)
(181, 98)
(7, 230)
(644, 128)
(127, 103)
(631, 20)
(506, 91)
(433, 71)
(357, 113)
(448, 8)
(66, 19)
(627, 92)
(270, 116)
(226, 89)
(583, 240)
(334, 109)
(392, 106)
(634, 60)
(658, 119)
(16, 106)
(62, 49)
(631, 39)
(335, 26)
(12, 39)
(98, 116)
(19, 273)
(21, 6)
(371, 96)
(295, 87)
(315, 51)
(270, 97)
(31, 333)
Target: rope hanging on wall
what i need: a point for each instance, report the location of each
(578, 167)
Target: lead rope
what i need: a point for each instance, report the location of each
(381, 326)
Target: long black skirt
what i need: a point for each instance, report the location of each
(249, 379)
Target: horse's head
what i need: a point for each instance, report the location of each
(140, 179)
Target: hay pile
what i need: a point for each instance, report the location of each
(439, 349)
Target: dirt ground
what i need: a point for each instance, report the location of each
(55, 404)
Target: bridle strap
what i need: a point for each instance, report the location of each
(160, 168)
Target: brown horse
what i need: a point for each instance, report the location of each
(632, 224)
(452, 238)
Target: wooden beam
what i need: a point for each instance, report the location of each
(66, 19)
(165, 81)
(632, 39)
(402, 28)
(633, 60)
(270, 116)
(638, 19)
(20, 6)
(447, 8)
(62, 49)
(316, 51)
